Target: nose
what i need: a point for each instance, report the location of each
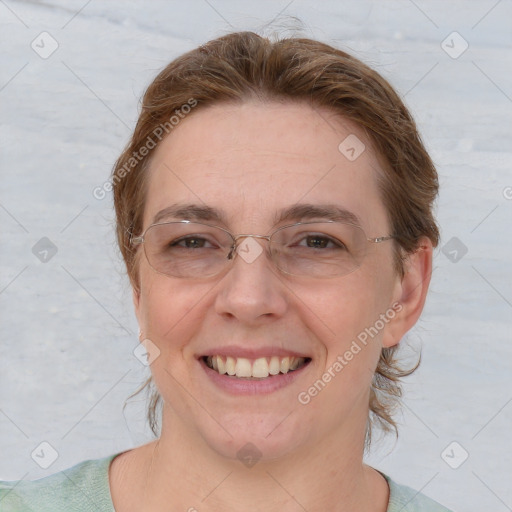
(251, 291)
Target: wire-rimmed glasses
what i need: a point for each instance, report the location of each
(189, 249)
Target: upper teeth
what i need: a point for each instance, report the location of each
(259, 368)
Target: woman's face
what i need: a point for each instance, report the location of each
(251, 163)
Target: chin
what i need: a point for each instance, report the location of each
(256, 439)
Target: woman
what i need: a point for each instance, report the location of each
(274, 210)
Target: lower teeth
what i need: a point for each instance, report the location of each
(257, 378)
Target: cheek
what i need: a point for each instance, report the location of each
(169, 310)
(351, 324)
(353, 304)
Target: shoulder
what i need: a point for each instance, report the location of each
(405, 499)
(82, 488)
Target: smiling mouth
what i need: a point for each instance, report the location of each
(261, 368)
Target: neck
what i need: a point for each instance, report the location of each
(327, 475)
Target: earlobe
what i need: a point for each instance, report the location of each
(136, 304)
(136, 297)
(411, 293)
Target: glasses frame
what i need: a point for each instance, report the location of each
(139, 240)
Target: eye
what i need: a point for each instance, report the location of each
(193, 242)
(319, 241)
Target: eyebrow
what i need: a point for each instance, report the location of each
(295, 213)
(305, 211)
(189, 212)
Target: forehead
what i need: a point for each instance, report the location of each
(252, 160)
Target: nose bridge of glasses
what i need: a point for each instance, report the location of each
(238, 238)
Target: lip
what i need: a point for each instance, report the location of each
(239, 386)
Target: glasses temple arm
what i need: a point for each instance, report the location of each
(136, 240)
(380, 239)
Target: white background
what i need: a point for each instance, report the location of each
(67, 327)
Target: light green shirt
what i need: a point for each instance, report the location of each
(85, 488)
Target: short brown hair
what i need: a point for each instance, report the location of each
(244, 65)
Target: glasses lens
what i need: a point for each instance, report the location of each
(320, 249)
(182, 249)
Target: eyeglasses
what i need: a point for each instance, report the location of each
(194, 250)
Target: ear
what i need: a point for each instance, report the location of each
(410, 293)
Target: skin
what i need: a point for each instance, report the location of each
(249, 161)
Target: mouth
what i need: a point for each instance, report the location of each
(254, 369)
